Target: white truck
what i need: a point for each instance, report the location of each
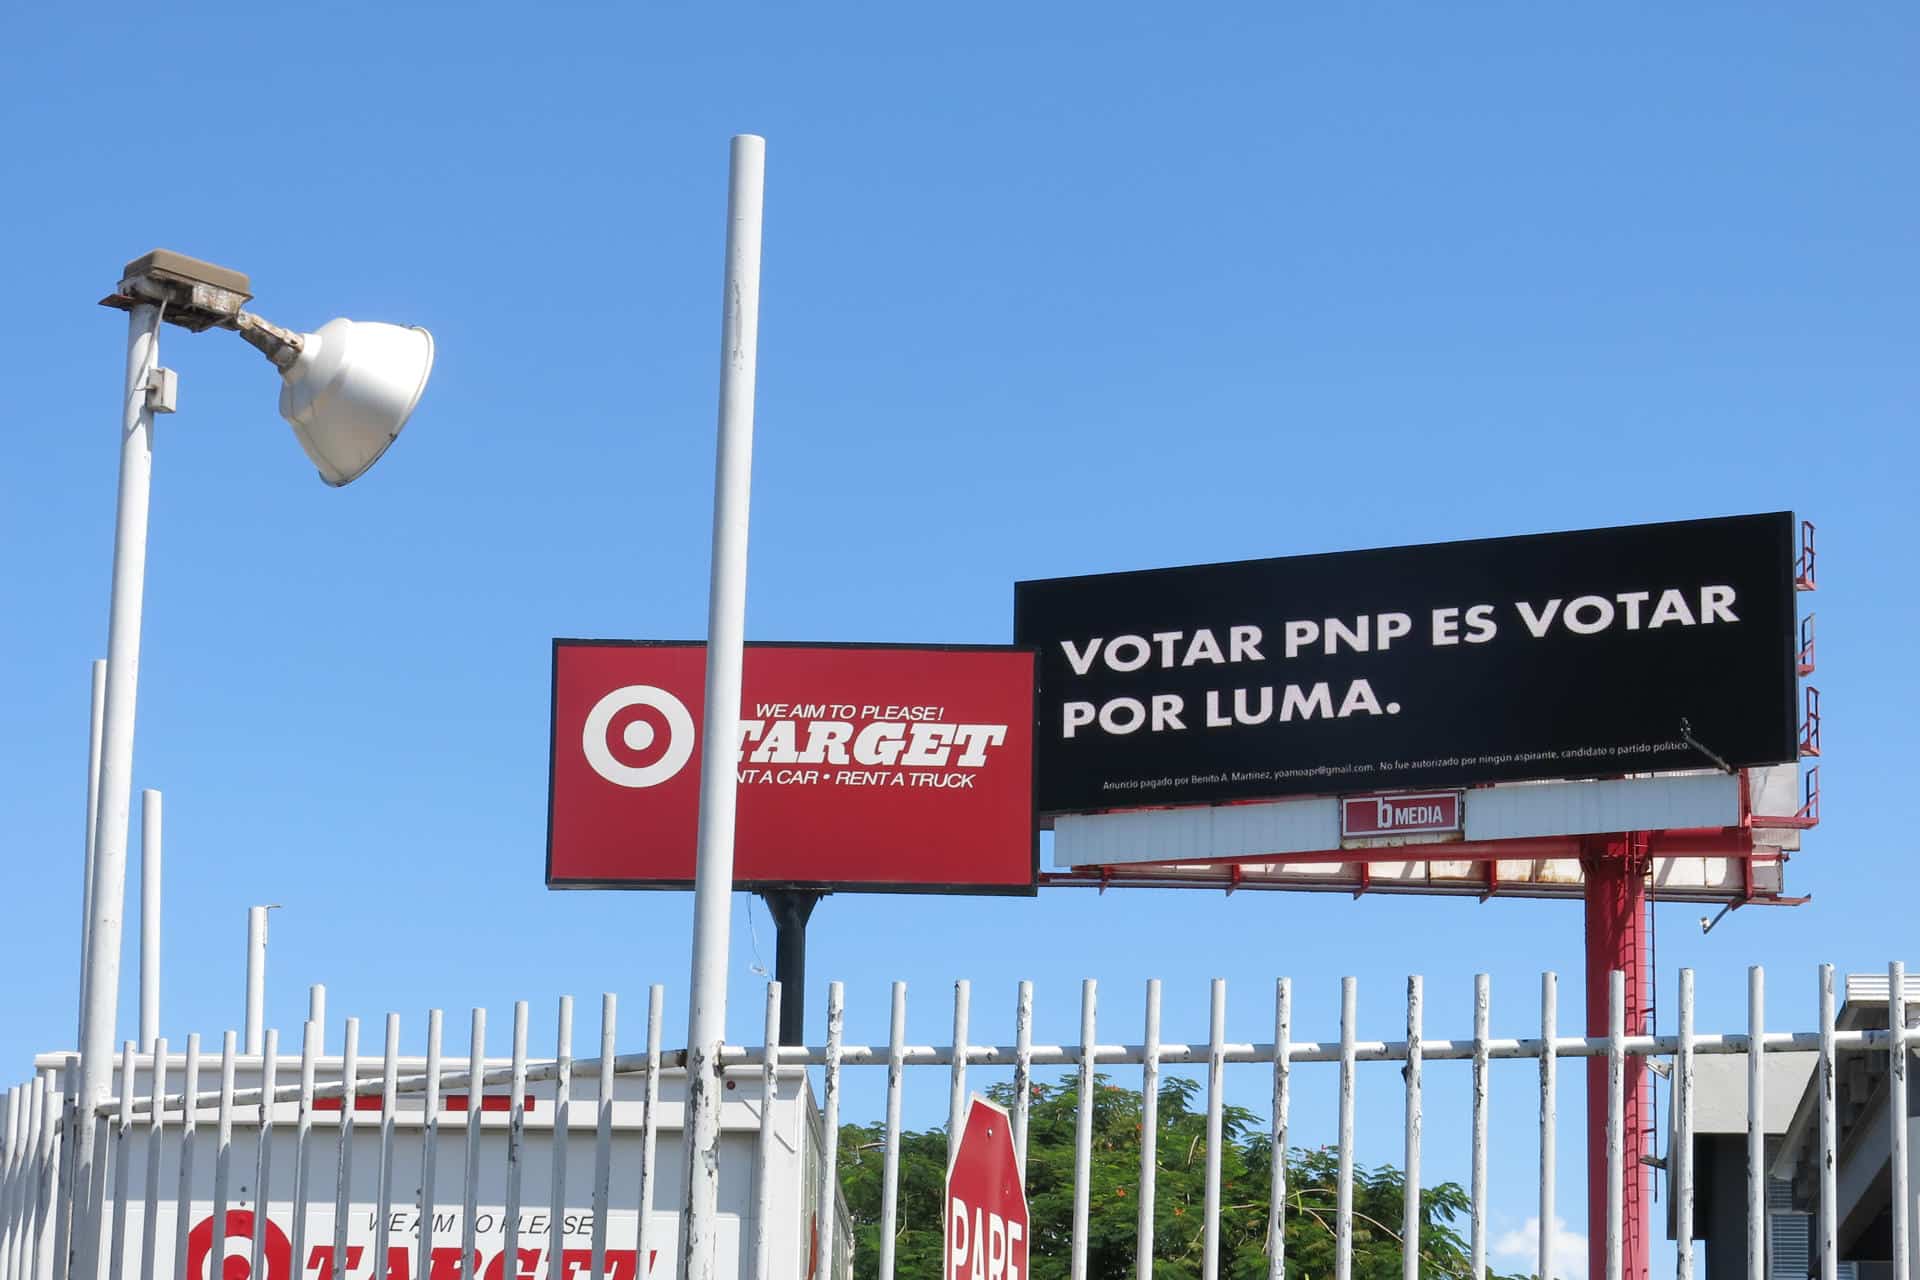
(791, 1232)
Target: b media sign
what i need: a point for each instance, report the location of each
(906, 768)
(1553, 656)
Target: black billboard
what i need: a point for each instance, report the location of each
(1560, 655)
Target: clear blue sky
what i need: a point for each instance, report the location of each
(1048, 290)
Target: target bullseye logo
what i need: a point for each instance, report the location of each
(639, 735)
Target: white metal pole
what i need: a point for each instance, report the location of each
(256, 977)
(150, 866)
(726, 618)
(116, 756)
(96, 723)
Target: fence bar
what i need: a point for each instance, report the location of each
(1410, 1195)
(1343, 1206)
(762, 1173)
(11, 1140)
(1681, 1155)
(189, 1114)
(35, 1220)
(1022, 1073)
(890, 1167)
(317, 1015)
(1823, 1075)
(470, 1205)
(830, 1127)
(122, 1130)
(302, 1147)
(1282, 1090)
(1149, 1131)
(27, 1215)
(1083, 1128)
(1756, 1125)
(64, 1190)
(1216, 1107)
(516, 1141)
(430, 1147)
(222, 1157)
(562, 1103)
(957, 1089)
(1549, 1106)
(1482, 1009)
(603, 1137)
(1616, 1116)
(343, 1179)
(649, 1118)
(263, 1148)
(1897, 1113)
(383, 1206)
(46, 1206)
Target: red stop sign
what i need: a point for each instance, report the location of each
(987, 1226)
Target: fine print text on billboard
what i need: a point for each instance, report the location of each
(1552, 656)
(904, 768)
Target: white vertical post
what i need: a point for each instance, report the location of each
(476, 1108)
(256, 977)
(890, 1158)
(516, 1144)
(830, 1128)
(101, 996)
(762, 1167)
(383, 1205)
(1022, 1072)
(1897, 1114)
(263, 1155)
(1616, 1119)
(189, 1121)
(1343, 1190)
(1828, 1133)
(1149, 1132)
(343, 1176)
(1083, 1129)
(156, 1127)
(96, 727)
(302, 1158)
(1549, 1108)
(726, 620)
(1756, 1124)
(1410, 1193)
(602, 1140)
(650, 1121)
(957, 1069)
(562, 1103)
(150, 870)
(1478, 1239)
(1683, 1135)
(430, 1147)
(1216, 1113)
(1282, 1091)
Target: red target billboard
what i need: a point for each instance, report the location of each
(882, 768)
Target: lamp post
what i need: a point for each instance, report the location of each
(347, 390)
(720, 733)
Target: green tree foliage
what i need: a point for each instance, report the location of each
(1179, 1200)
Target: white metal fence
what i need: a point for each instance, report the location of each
(48, 1231)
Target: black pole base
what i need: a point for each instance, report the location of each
(791, 909)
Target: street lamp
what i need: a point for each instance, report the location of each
(347, 390)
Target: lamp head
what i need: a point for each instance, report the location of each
(350, 389)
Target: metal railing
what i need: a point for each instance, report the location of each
(42, 1216)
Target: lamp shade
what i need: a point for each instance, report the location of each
(353, 386)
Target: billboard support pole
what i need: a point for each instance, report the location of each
(1616, 928)
(791, 909)
(720, 734)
